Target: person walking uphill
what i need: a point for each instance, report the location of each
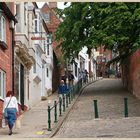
(10, 103)
(62, 90)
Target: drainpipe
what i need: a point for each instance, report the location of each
(12, 26)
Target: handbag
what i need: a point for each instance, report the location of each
(3, 122)
(5, 110)
(18, 122)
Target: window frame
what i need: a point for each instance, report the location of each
(2, 84)
(3, 29)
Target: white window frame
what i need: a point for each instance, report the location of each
(2, 84)
(25, 13)
(3, 29)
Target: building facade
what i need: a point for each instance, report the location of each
(53, 21)
(7, 21)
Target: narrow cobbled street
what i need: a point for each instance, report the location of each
(110, 95)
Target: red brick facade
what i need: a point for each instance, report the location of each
(131, 73)
(6, 58)
(104, 56)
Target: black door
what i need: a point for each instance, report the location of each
(22, 86)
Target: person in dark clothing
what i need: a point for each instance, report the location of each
(71, 79)
(62, 88)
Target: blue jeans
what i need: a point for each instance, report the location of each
(11, 117)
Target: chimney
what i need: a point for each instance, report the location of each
(53, 5)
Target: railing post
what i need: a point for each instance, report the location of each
(55, 111)
(69, 98)
(71, 94)
(49, 118)
(96, 109)
(60, 106)
(63, 103)
(126, 107)
(66, 100)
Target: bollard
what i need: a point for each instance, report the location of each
(96, 109)
(66, 100)
(74, 91)
(125, 107)
(69, 98)
(55, 111)
(60, 106)
(71, 95)
(63, 103)
(49, 118)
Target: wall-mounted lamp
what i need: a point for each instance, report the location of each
(12, 24)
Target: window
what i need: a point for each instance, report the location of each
(48, 47)
(2, 83)
(36, 26)
(2, 29)
(48, 51)
(47, 17)
(18, 25)
(25, 13)
(47, 72)
(34, 68)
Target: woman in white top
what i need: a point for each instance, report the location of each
(10, 102)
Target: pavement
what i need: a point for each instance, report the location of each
(34, 122)
(110, 94)
(79, 119)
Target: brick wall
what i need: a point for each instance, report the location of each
(6, 58)
(131, 73)
(6, 61)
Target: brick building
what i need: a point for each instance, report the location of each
(131, 73)
(53, 21)
(7, 21)
(103, 57)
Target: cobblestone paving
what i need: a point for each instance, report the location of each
(111, 123)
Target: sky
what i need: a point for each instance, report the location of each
(60, 5)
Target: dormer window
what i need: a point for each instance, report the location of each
(46, 17)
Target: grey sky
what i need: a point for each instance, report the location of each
(59, 4)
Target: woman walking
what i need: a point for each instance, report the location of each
(10, 103)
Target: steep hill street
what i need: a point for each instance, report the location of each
(111, 123)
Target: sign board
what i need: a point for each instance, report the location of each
(37, 38)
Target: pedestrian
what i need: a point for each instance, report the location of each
(64, 77)
(85, 76)
(71, 79)
(10, 103)
(62, 90)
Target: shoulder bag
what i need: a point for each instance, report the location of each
(5, 110)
